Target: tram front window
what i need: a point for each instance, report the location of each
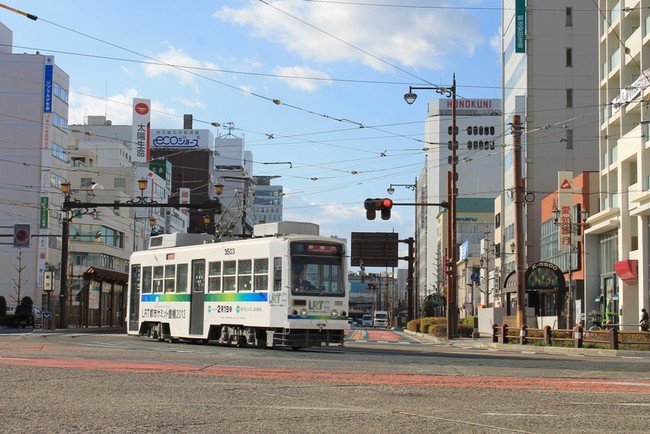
(316, 276)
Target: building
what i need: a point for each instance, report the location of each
(550, 72)
(479, 153)
(191, 154)
(563, 244)
(619, 231)
(33, 142)
(267, 206)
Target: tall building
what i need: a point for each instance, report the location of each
(550, 73)
(479, 151)
(620, 231)
(267, 206)
(33, 144)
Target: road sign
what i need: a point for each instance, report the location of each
(21, 235)
(47, 315)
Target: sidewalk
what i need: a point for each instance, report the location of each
(486, 342)
(71, 329)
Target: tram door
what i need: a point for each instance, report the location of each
(134, 299)
(197, 298)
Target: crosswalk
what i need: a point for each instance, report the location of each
(380, 336)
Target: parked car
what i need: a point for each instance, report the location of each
(28, 315)
(366, 320)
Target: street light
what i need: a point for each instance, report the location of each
(451, 257)
(565, 222)
(412, 289)
(67, 217)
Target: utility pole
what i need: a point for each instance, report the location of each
(519, 222)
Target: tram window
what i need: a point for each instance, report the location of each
(170, 278)
(146, 280)
(181, 278)
(229, 275)
(244, 278)
(158, 275)
(277, 274)
(261, 274)
(214, 277)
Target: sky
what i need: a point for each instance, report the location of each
(316, 83)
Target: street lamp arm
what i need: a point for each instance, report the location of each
(442, 90)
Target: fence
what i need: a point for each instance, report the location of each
(612, 338)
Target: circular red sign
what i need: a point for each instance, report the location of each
(141, 108)
(22, 235)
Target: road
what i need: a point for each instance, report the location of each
(69, 382)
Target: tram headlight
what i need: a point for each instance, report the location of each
(304, 311)
(344, 313)
(334, 313)
(294, 312)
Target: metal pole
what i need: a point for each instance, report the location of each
(65, 240)
(453, 313)
(570, 319)
(519, 222)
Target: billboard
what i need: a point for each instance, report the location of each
(141, 130)
(180, 139)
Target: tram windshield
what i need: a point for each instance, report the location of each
(313, 275)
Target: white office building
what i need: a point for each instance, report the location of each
(33, 143)
(550, 77)
(479, 151)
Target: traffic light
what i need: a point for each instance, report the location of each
(371, 207)
(386, 205)
(374, 205)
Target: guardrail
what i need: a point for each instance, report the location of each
(612, 338)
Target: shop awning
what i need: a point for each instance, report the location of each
(627, 270)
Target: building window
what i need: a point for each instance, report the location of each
(569, 17)
(569, 57)
(569, 97)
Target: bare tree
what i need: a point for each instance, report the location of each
(18, 283)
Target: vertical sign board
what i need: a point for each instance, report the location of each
(184, 198)
(44, 213)
(565, 205)
(48, 84)
(520, 26)
(141, 130)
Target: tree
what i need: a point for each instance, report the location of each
(18, 283)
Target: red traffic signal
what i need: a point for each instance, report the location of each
(374, 205)
(386, 206)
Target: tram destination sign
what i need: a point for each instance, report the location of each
(374, 249)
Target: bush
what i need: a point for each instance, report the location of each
(440, 330)
(469, 321)
(413, 325)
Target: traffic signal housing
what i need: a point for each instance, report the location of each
(374, 205)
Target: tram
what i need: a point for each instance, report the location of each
(284, 287)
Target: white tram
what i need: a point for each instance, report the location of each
(284, 287)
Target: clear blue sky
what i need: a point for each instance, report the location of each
(339, 68)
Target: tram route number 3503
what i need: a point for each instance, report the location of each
(229, 251)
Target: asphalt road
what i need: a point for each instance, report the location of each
(68, 382)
